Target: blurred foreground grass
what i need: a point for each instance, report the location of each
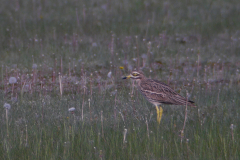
(73, 54)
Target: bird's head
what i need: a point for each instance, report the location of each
(135, 75)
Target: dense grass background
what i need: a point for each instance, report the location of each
(87, 46)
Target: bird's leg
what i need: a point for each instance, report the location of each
(159, 113)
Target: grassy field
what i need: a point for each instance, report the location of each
(67, 54)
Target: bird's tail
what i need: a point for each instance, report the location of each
(191, 103)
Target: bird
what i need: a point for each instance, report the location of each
(158, 93)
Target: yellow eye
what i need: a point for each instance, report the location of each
(135, 74)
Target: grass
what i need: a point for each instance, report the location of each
(61, 53)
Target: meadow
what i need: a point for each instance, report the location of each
(61, 70)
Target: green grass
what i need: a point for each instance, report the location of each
(191, 45)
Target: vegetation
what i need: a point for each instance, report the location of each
(66, 54)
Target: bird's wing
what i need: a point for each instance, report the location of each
(157, 91)
(157, 86)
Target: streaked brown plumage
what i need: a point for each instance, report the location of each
(158, 92)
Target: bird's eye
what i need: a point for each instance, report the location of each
(134, 74)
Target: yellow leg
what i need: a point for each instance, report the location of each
(159, 113)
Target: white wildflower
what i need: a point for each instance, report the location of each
(232, 126)
(109, 74)
(7, 106)
(34, 66)
(71, 109)
(12, 80)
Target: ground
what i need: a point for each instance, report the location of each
(67, 54)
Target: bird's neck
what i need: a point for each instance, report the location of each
(138, 82)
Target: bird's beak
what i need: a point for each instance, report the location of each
(127, 77)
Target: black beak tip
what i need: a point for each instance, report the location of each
(124, 78)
